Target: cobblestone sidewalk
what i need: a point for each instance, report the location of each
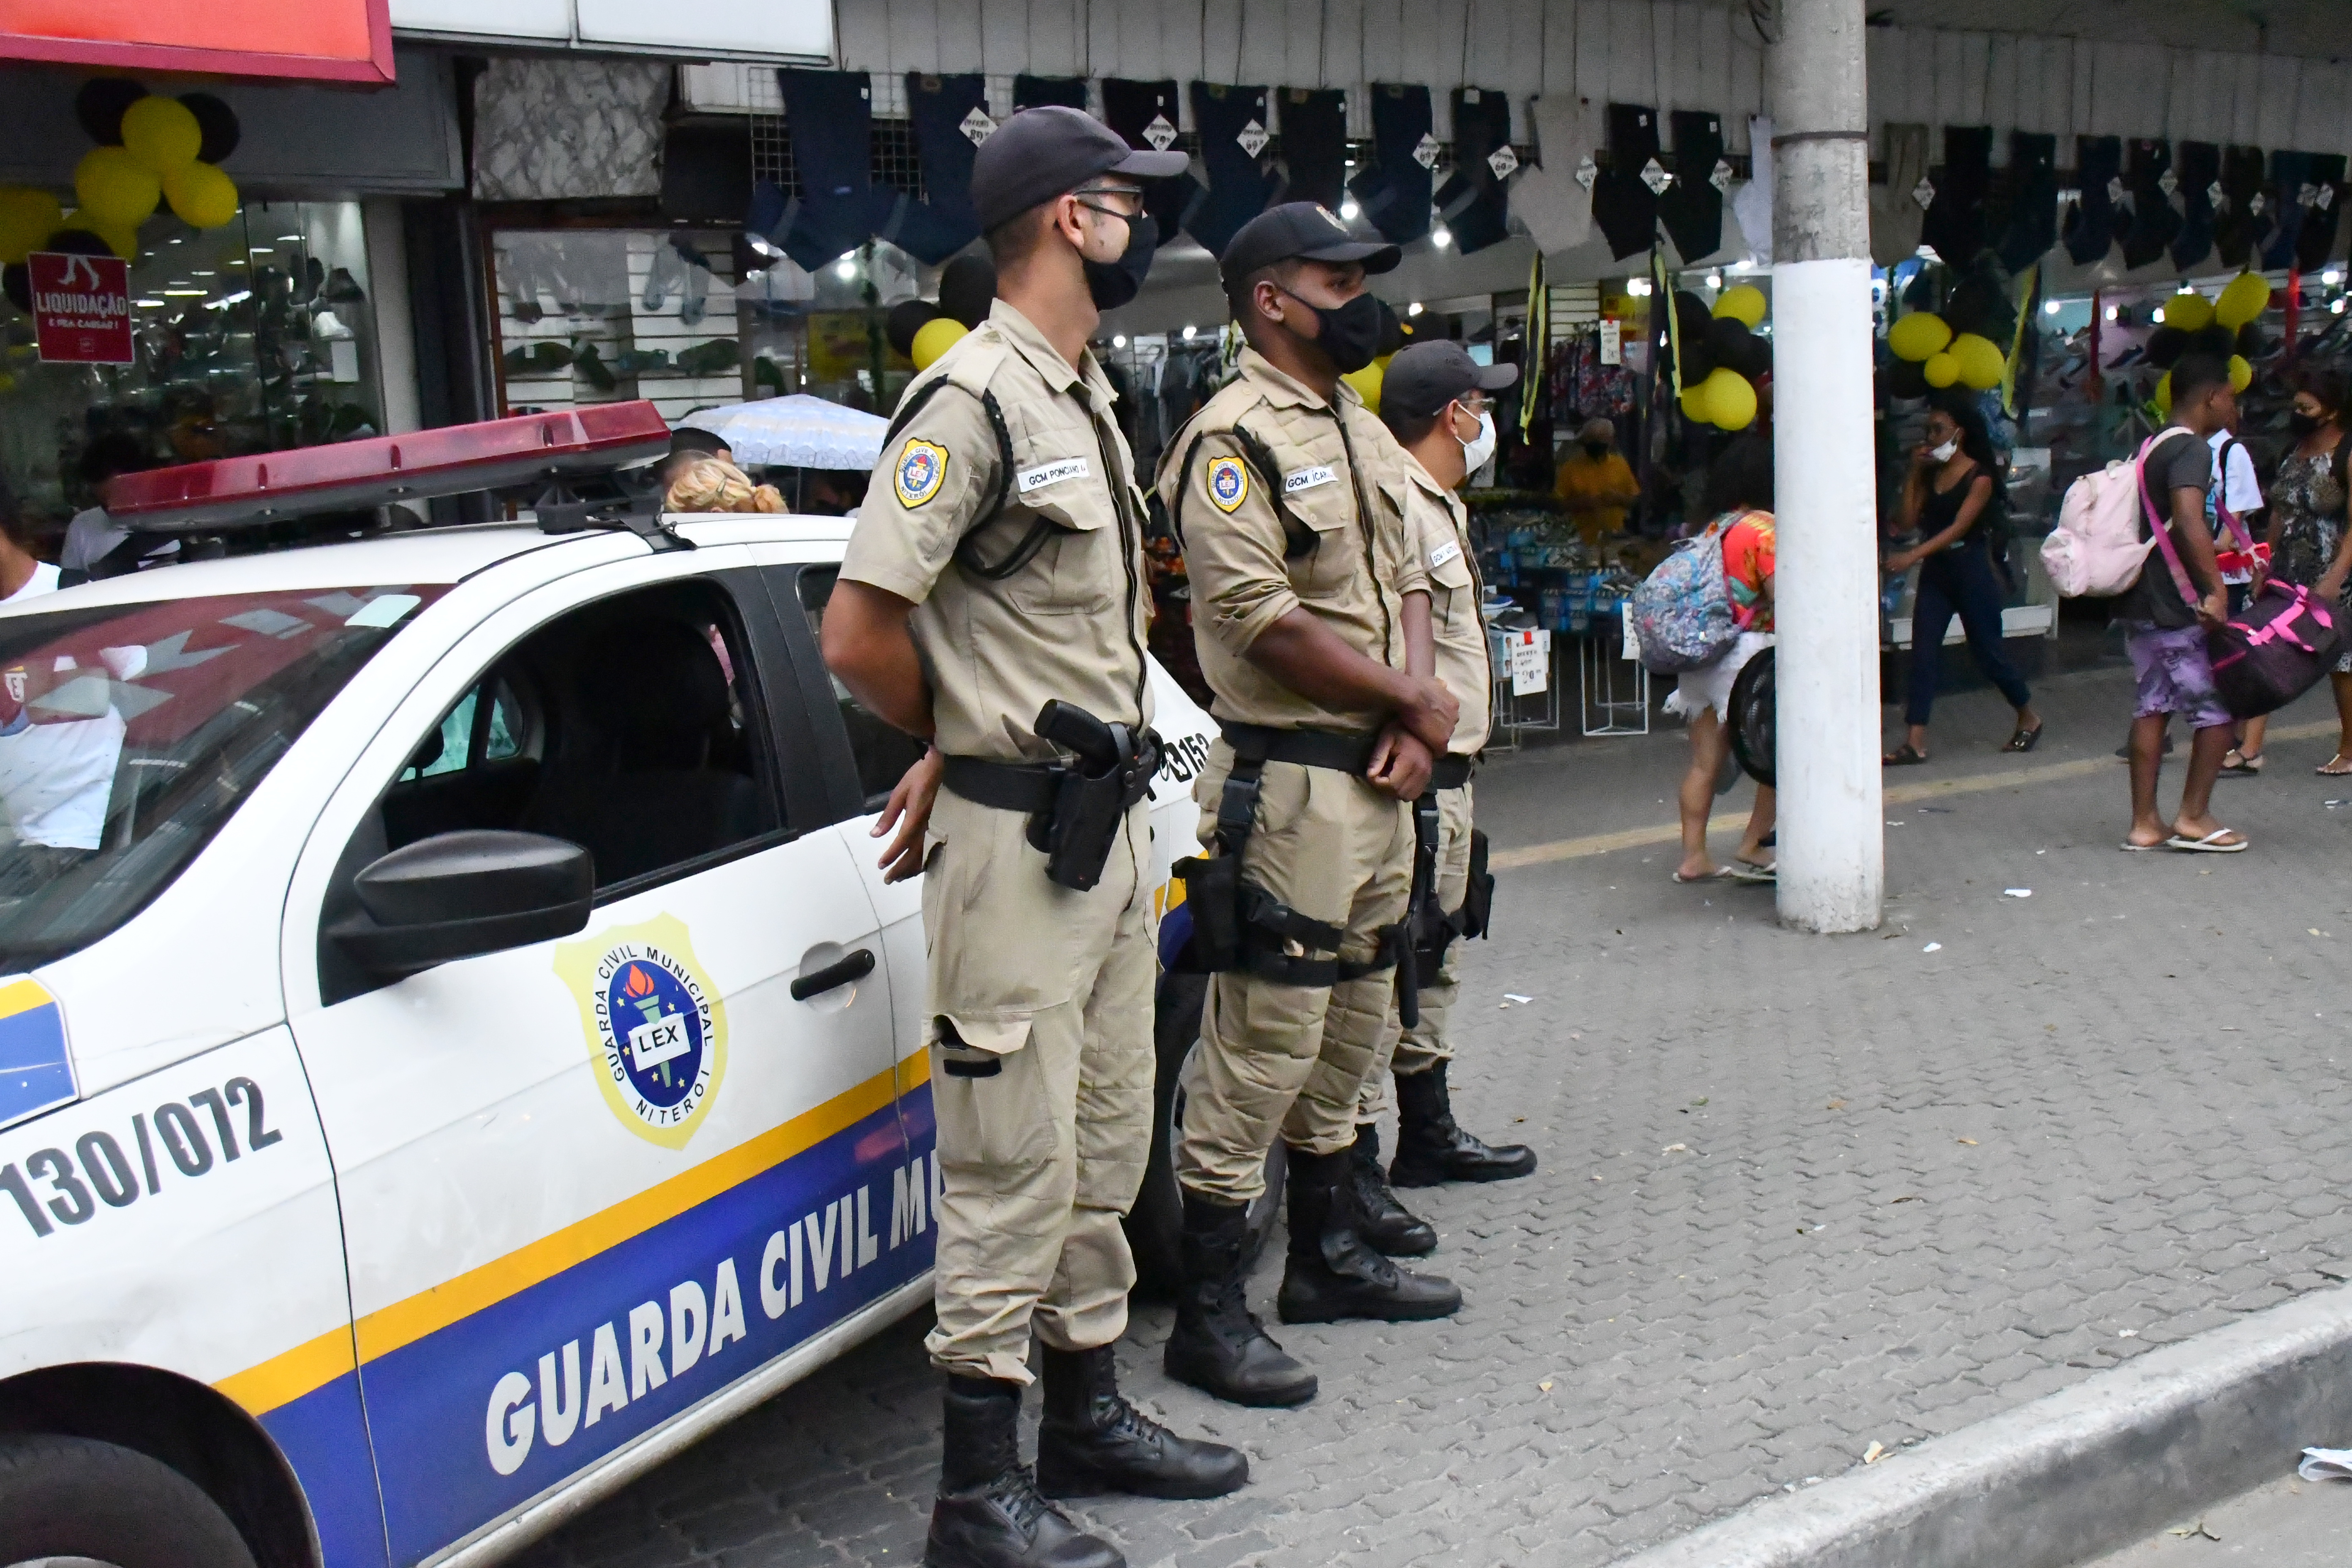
(1799, 1196)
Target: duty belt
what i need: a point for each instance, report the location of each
(1077, 809)
(1449, 771)
(1008, 787)
(1341, 751)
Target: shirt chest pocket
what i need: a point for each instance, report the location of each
(1059, 488)
(1321, 540)
(1452, 586)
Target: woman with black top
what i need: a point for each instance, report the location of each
(1948, 499)
(2309, 541)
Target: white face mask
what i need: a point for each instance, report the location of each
(1480, 447)
(1943, 454)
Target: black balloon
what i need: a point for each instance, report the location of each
(1734, 347)
(99, 105)
(16, 282)
(967, 289)
(2251, 343)
(2165, 345)
(218, 123)
(2216, 339)
(1691, 325)
(78, 242)
(1392, 332)
(1976, 306)
(1907, 379)
(905, 320)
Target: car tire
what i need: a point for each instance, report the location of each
(1155, 1226)
(73, 1498)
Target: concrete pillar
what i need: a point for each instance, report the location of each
(1832, 824)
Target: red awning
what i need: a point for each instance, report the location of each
(307, 40)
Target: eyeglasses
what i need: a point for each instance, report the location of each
(1121, 201)
(1476, 403)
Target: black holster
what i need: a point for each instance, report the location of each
(1077, 809)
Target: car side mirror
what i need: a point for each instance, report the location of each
(459, 895)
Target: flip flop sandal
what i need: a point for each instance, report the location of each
(2024, 739)
(2205, 846)
(2245, 768)
(2336, 767)
(1744, 872)
(1720, 874)
(2128, 848)
(1903, 756)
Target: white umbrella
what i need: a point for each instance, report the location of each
(795, 432)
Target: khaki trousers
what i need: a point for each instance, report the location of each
(1290, 1060)
(1416, 1050)
(1038, 1160)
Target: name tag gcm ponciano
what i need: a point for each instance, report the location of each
(1305, 479)
(1052, 473)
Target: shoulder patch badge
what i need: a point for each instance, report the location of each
(1228, 483)
(922, 465)
(657, 1028)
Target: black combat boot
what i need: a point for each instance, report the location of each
(1431, 1147)
(988, 1513)
(1218, 1345)
(1390, 1227)
(1331, 1274)
(1094, 1441)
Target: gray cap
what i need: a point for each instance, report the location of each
(1425, 377)
(1306, 229)
(1050, 150)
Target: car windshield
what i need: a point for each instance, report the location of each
(130, 733)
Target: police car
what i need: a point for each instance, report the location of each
(456, 1048)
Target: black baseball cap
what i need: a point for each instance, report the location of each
(1425, 377)
(1050, 150)
(1308, 229)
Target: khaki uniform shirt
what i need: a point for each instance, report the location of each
(1440, 537)
(1070, 621)
(1267, 488)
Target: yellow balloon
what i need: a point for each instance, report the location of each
(113, 186)
(122, 238)
(935, 339)
(2248, 296)
(1744, 303)
(1730, 400)
(1918, 337)
(1941, 370)
(1368, 382)
(1981, 362)
(2241, 374)
(162, 134)
(202, 196)
(27, 219)
(1694, 402)
(2189, 310)
(2164, 392)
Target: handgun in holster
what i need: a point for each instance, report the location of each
(1112, 771)
(1422, 921)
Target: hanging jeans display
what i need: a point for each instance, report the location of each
(1131, 108)
(2091, 226)
(1955, 222)
(1394, 191)
(1554, 204)
(2245, 221)
(1036, 91)
(1895, 216)
(2032, 226)
(1315, 144)
(1692, 207)
(1239, 186)
(1472, 201)
(1622, 204)
(2326, 179)
(938, 106)
(2196, 165)
(2155, 223)
(830, 118)
(2289, 173)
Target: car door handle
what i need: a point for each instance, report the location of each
(857, 966)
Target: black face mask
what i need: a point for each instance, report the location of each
(2301, 424)
(1350, 334)
(1596, 450)
(1111, 284)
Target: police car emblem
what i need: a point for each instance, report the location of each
(1228, 483)
(922, 465)
(657, 1028)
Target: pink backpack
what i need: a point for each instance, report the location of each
(2097, 551)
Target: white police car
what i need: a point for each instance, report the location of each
(460, 1050)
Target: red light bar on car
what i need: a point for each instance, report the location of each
(530, 447)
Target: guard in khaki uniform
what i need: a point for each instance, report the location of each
(1310, 612)
(992, 599)
(1435, 401)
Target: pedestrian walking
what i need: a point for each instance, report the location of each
(2167, 611)
(1739, 498)
(1953, 498)
(1436, 401)
(1311, 616)
(2309, 542)
(996, 569)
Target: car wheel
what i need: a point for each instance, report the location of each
(1155, 1227)
(78, 1500)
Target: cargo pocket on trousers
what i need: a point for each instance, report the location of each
(988, 1087)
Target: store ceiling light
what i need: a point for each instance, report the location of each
(289, 239)
(239, 298)
(2113, 314)
(1349, 210)
(259, 250)
(1118, 340)
(1189, 332)
(2331, 276)
(149, 304)
(1414, 309)
(2337, 309)
(2049, 307)
(1715, 280)
(2157, 315)
(201, 272)
(1440, 237)
(184, 293)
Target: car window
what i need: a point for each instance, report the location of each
(129, 733)
(455, 744)
(883, 754)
